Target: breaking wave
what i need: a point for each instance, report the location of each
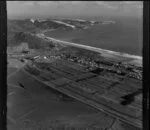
(93, 48)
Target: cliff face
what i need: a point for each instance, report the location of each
(23, 31)
(32, 41)
(30, 26)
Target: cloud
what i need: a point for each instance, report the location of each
(137, 4)
(29, 3)
(140, 6)
(72, 8)
(112, 7)
(132, 2)
(76, 2)
(103, 4)
(46, 3)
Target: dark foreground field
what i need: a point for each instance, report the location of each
(31, 105)
(37, 103)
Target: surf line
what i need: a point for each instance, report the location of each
(126, 55)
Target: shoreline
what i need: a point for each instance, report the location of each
(126, 55)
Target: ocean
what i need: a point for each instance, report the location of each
(125, 36)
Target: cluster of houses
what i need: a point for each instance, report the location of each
(45, 58)
(118, 68)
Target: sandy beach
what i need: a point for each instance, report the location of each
(133, 59)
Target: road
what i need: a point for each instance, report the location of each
(93, 103)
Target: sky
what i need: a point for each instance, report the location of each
(47, 9)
